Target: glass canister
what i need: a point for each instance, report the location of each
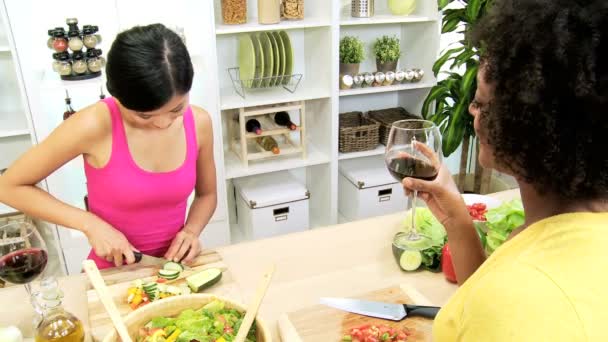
(94, 63)
(57, 325)
(89, 38)
(79, 66)
(234, 11)
(75, 43)
(292, 9)
(269, 11)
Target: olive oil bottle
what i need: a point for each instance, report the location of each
(57, 325)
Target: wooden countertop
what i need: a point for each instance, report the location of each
(341, 260)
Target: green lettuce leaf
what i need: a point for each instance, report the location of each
(162, 322)
(501, 221)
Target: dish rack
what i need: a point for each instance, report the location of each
(287, 82)
(242, 141)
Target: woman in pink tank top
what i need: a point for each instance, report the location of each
(145, 150)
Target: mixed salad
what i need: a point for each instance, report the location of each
(212, 323)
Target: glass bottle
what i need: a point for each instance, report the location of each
(57, 325)
(60, 43)
(79, 65)
(64, 68)
(69, 111)
(269, 144)
(93, 61)
(90, 39)
(75, 43)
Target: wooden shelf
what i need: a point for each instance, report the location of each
(270, 128)
(306, 91)
(375, 152)
(234, 166)
(253, 26)
(14, 133)
(384, 19)
(384, 89)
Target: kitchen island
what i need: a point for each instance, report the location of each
(337, 261)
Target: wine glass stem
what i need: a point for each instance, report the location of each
(414, 232)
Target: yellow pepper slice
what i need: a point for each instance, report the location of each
(173, 337)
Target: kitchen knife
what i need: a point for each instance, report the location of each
(145, 259)
(390, 311)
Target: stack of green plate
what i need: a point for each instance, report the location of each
(266, 59)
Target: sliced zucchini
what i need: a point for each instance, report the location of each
(173, 266)
(204, 279)
(410, 260)
(168, 274)
(174, 290)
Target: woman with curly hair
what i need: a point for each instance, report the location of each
(541, 115)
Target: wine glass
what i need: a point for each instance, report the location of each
(23, 255)
(414, 150)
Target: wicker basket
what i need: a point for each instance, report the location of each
(357, 133)
(173, 306)
(386, 117)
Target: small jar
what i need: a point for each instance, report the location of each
(418, 75)
(75, 43)
(93, 61)
(89, 40)
(346, 82)
(58, 57)
(399, 76)
(60, 43)
(234, 11)
(292, 9)
(409, 75)
(65, 68)
(379, 78)
(389, 79)
(51, 39)
(79, 66)
(368, 79)
(358, 80)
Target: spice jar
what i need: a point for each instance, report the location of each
(379, 78)
(368, 79)
(65, 66)
(358, 80)
(75, 43)
(409, 75)
(234, 11)
(390, 77)
(399, 76)
(60, 43)
(57, 59)
(90, 39)
(346, 82)
(79, 66)
(418, 75)
(292, 9)
(93, 61)
(269, 11)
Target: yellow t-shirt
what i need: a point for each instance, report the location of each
(548, 283)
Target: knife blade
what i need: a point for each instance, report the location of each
(145, 259)
(390, 311)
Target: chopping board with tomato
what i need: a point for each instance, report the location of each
(121, 282)
(322, 323)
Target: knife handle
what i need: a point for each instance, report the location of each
(138, 256)
(422, 311)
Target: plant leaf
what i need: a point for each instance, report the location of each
(444, 58)
(467, 81)
(454, 132)
(450, 25)
(464, 57)
(473, 10)
(443, 3)
(438, 92)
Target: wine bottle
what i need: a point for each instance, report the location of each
(283, 119)
(253, 126)
(269, 144)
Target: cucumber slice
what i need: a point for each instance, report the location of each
(150, 286)
(173, 266)
(410, 260)
(204, 279)
(168, 274)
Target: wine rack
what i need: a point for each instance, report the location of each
(244, 143)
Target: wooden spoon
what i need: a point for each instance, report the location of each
(106, 299)
(254, 306)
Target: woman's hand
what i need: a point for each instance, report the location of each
(184, 248)
(440, 195)
(109, 243)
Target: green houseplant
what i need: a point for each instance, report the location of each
(351, 55)
(387, 51)
(447, 103)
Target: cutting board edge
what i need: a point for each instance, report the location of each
(287, 331)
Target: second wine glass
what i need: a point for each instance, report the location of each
(413, 150)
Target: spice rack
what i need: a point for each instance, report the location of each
(288, 82)
(242, 141)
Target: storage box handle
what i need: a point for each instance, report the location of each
(385, 195)
(280, 214)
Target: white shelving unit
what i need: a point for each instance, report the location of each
(214, 48)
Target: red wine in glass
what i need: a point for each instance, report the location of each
(23, 266)
(402, 164)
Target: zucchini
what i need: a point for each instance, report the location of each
(173, 266)
(168, 274)
(204, 279)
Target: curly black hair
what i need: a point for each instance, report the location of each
(548, 119)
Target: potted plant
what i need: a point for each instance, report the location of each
(387, 50)
(351, 55)
(447, 103)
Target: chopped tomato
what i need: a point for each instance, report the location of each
(477, 211)
(161, 280)
(228, 330)
(376, 333)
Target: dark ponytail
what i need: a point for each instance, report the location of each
(147, 66)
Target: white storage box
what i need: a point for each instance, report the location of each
(367, 189)
(270, 205)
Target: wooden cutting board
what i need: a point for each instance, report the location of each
(119, 280)
(322, 323)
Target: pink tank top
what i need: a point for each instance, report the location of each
(149, 208)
